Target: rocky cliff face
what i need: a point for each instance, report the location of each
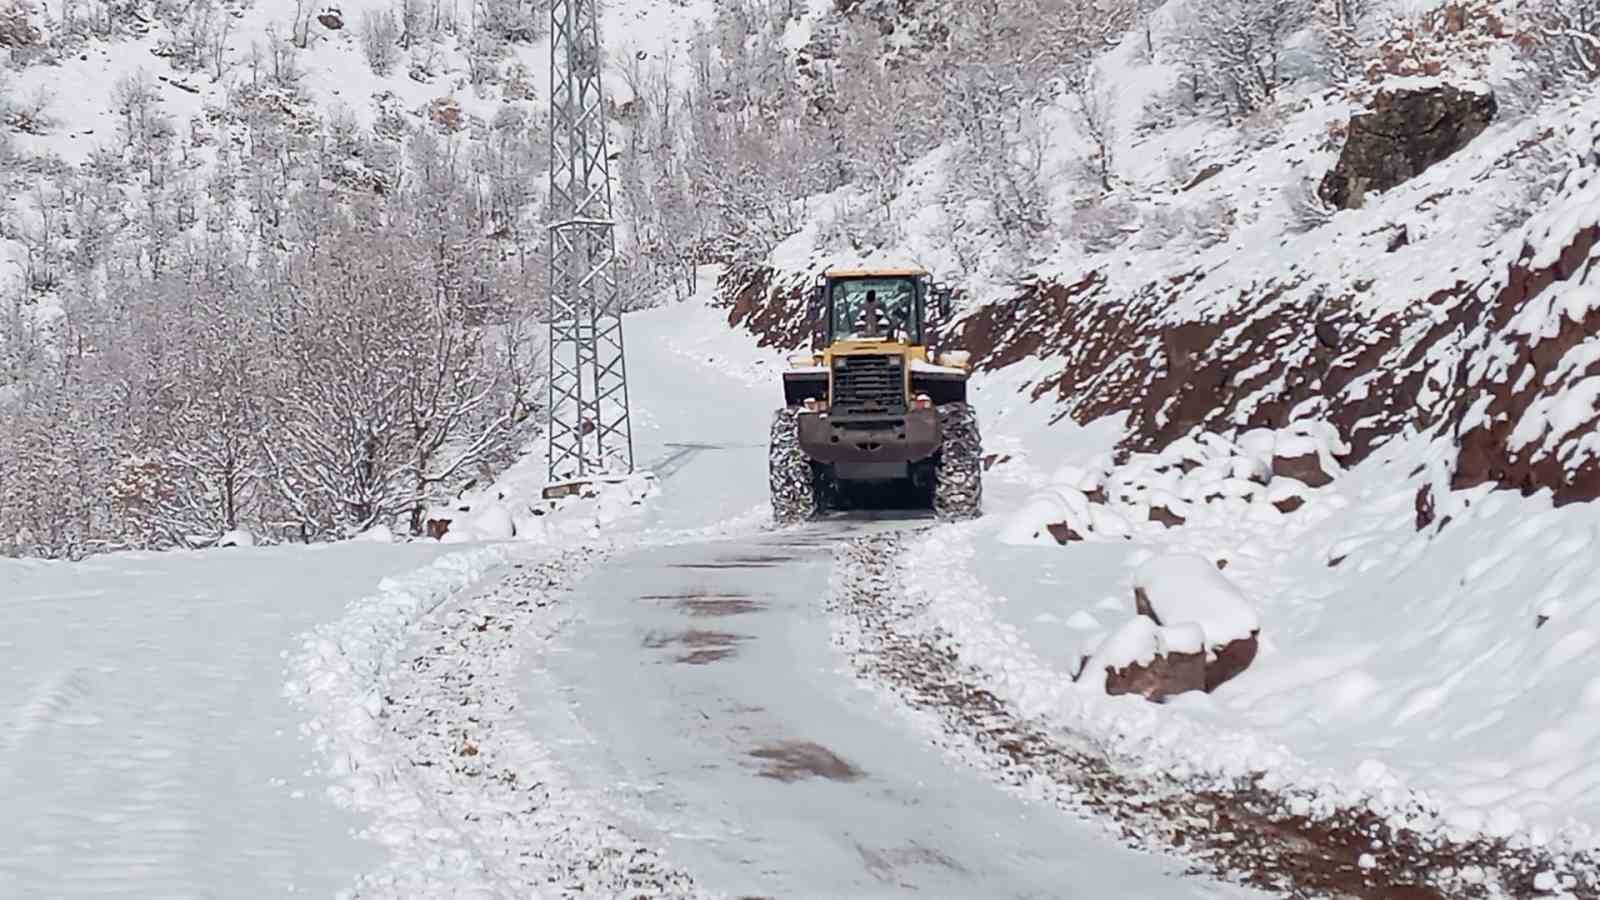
(1405, 131)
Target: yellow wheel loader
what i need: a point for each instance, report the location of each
(876, 416)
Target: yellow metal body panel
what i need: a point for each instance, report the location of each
(906, 352)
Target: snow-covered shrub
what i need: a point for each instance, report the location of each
(1305, 207)
(1236, 47)
(1212, 222)
(380, 39)
(1101, 227)
(30, 115)
(1566, 39)
(17, 28)
(1159, 226)
(513, 20)
(1543, 165)
(1339, 33)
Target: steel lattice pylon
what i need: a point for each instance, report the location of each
(588, 429)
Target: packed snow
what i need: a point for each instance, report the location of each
(1186, 589)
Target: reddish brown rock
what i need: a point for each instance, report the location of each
(1289, 504)
(1063, 533)
(1165, 676)
(1231, 659)
(1141, 605)
(1226, 662)
(438, 528)
(1306, 468)
(1425, 512)
(1165, 516)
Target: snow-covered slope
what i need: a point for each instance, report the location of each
(146, 746)
(464, 66)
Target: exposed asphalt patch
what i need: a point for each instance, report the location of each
(884, 863)
(720, 606)
(795, 760)
(1236, 830)
(705, 646)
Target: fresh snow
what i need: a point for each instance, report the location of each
(1184, 588)
(144, 746)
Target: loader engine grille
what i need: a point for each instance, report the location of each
(868, 387)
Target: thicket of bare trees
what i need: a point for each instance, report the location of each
(762, 142)
(322, 328)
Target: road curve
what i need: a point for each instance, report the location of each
(697, 688)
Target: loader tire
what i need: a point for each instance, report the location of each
(789, 473)
(958, 477)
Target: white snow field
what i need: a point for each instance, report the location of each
(145, 748)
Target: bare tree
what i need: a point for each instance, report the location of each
(1235, 47)
(380, 34)
(1571, 31)
(1097, 110)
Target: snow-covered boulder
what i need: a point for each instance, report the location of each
(237, 538)
(1301, 463)
(1047, 515)
(1287, 494)
(494, 522)
(1186, 589)
(377, 534)
(1307, 451)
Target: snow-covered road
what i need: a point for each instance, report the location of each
(700, 691)
(696, 690)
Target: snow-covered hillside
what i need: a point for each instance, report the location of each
(1199, 342)
(224, 221)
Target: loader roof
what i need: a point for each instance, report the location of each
(871, 272)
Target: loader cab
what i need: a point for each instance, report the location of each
(892, 305)
(870, 309)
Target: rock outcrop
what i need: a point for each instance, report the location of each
(1403, 133)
